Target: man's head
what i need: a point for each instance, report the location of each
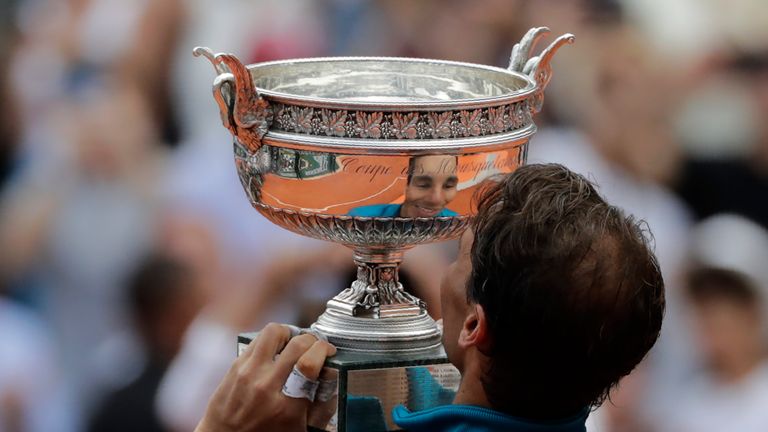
(555, 295)
(431, 185)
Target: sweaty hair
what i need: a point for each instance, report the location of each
(572, 293)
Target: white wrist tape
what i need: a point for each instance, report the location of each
(298, 386)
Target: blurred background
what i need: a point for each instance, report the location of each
(130, 258)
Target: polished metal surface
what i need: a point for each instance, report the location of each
(388, 83)
(378, 154)
(374, 393)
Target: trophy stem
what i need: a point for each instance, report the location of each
(376, 313)
(377, 292)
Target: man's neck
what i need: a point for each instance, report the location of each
(471, 391)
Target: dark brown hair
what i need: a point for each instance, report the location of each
(572, 293)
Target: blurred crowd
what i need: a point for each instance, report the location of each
(130, 258)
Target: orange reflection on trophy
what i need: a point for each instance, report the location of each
(377, 186)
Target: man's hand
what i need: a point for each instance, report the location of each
(250, 397)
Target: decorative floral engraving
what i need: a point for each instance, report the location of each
(369, 125)
(388, 130)
(470, 123)
(422, 130)
(361, 231)
(440, 124)
(333, 122)
(401, 125)
(496, 119)
(283, 118)
(405, 125)
(521, 114)
(302, 119)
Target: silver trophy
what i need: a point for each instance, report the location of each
(378, 154)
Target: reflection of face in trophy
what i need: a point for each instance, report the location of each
(317, 140)
(432, 184)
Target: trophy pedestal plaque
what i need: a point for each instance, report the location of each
(370, 385)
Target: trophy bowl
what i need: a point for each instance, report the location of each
(379, 154)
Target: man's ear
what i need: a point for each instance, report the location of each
(474, 331)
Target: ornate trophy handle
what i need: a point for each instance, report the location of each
(223, 86)
(243, 111)
(538, 67)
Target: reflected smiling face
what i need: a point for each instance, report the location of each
(431, 186)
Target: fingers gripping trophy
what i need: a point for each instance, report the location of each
(380, 155)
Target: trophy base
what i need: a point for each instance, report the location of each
(370, 385)
(395, 333)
